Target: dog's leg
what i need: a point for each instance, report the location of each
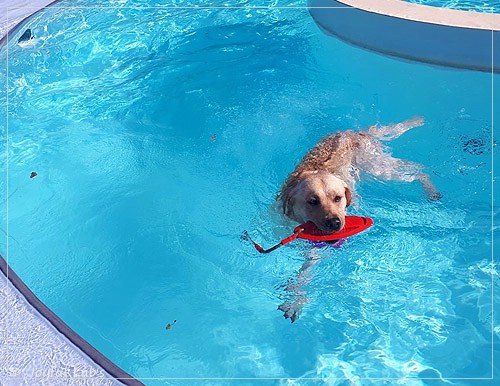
(429, 188)
(384, 166)
(396, 169)
(374, 159)
(293, 308)
(386, 133)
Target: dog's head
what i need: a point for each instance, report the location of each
(319, 197)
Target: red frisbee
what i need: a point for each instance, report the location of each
(353, 225)
(309, 231)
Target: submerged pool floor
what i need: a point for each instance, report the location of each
(158, 135)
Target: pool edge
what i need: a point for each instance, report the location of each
(421, 33)
(13, 30)
(97, 357)
(428, 14)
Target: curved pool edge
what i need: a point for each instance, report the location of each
(32, 9)
(115, 372)
(433, 35)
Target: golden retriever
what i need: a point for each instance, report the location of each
(321, 187)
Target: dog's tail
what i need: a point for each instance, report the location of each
(386, 133)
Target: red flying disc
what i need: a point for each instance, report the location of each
(353, 225)
(309, 231)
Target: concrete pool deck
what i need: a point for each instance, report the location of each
(448, 37)
(37, 347)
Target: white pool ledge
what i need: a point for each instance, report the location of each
(428, 34)
(13, 13)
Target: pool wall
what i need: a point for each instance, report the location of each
(428, 34)
(29, 315)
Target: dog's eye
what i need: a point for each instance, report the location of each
(337, 198)
(313, 201)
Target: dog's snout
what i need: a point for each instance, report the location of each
(333, 224)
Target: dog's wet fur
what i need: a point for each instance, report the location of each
(321, 187)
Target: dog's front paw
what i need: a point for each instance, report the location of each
(432, 193)
(434, 196)
(291, 310)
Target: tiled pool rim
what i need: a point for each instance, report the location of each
(434, 35)
(81, 344)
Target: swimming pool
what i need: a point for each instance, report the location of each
(160, 134)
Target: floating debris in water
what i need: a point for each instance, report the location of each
(169, 326)
(212, 137)
(33, 174)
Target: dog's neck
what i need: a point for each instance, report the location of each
(350, 175)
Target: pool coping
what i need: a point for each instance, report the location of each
(11, 31)
(419, 33)
(429, 14)
(97, 357)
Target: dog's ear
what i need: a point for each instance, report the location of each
(348, 196)
(288, 205)
(287, 200)
(287, 195)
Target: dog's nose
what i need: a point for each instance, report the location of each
(333, 224)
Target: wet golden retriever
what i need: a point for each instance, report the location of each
(321, 187)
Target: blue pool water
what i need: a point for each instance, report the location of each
(160, 134)
(464, 5)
